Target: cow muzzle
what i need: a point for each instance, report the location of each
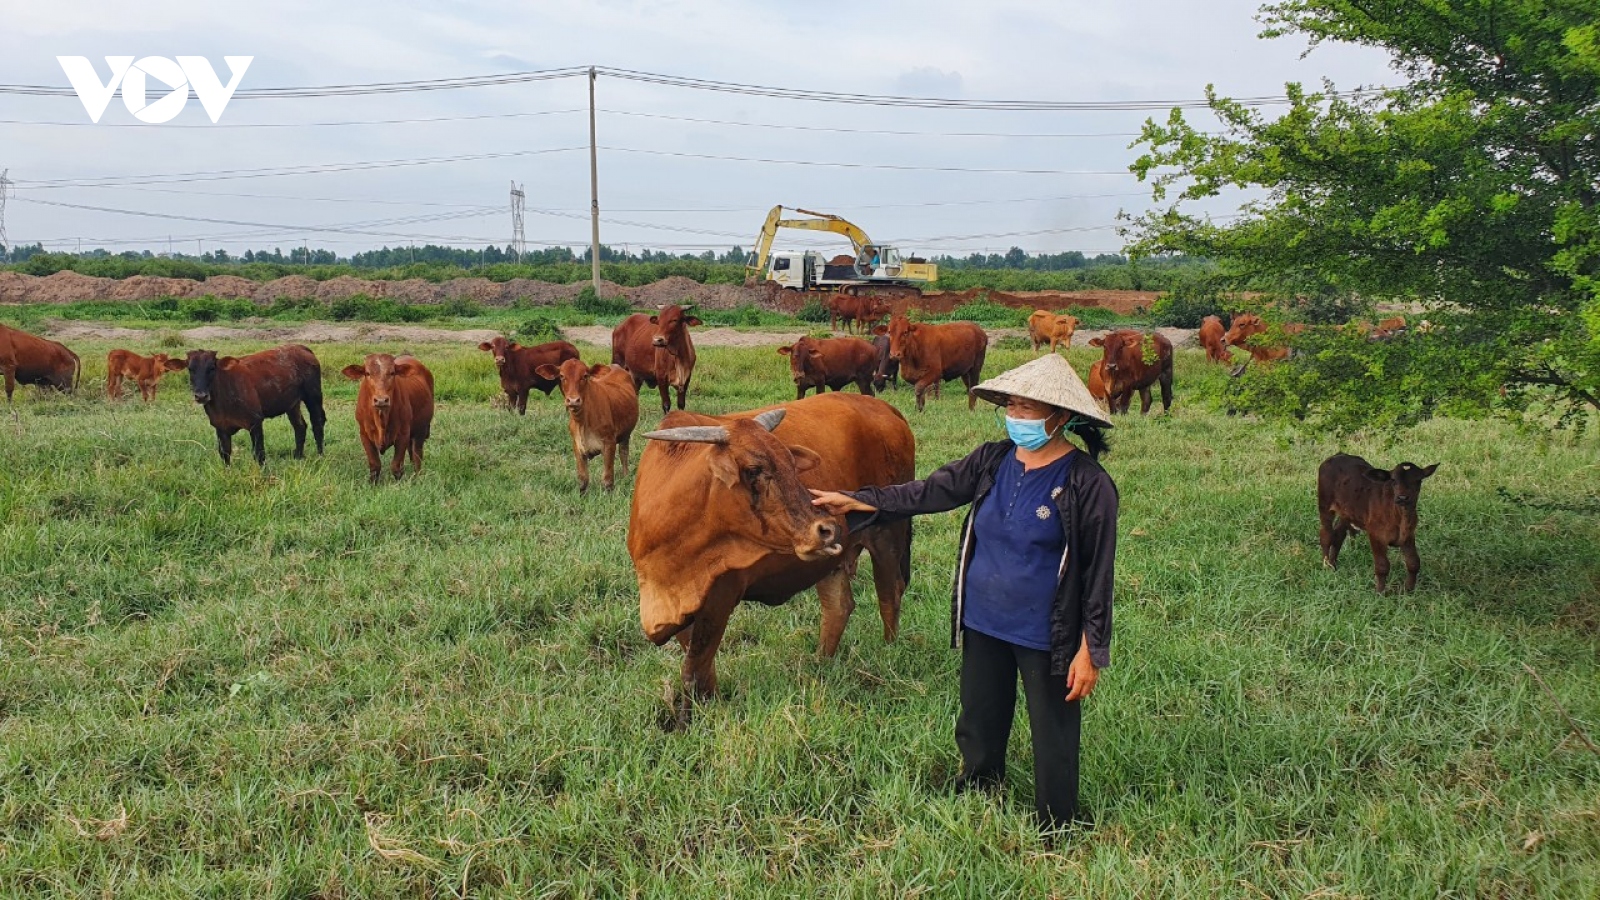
(574, 403)
(658, 341)
(824, 542)
(202, 398)
(380, 403)
(500, 361)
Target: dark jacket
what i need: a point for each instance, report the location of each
(1086, 575)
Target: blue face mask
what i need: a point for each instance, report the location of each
(1029, 434)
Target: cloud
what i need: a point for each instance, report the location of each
(927, 81)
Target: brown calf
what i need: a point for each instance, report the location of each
(1352, 494)
(657, 351)
(146, 372)
(932, 354)
(394, 408)
(27, 359)
(1247, 325)
(823, 363)
(1133, 361)
(602, 409)
(1213, 337)
(519, 366)
(1047, 327)
(865, 312)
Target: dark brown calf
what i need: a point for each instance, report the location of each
(394, 408)
(823, 363)
(1352, 494)
(602, 410)
(888, 371)
(27, 359)
(519, 367)
(146, 372)
(238, 394)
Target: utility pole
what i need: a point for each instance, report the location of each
(519, 244)
(594, 195)
(5, 242)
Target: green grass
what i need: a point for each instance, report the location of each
(290, 684)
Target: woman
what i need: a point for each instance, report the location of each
(1034, 579)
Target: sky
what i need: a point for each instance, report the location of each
(679, 169)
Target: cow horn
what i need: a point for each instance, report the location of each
(770, 419)
(692, 434)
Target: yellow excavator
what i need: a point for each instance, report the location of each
(877, 269)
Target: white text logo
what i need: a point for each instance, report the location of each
(134, 77)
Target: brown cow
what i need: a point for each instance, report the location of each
(1133, 361)
(394, 408)
(28, 359)
(1353, 494)
(824, 363)
(1247, 325)
(519, 367)
(241, 393)
(602, 408)
(1047, 327)
(657, 351)
(932, 354)
(721, 515)
(1213, 338)
(888, 371)
(1388, 328)
(865, 312)
(1097, 381)
(146, 372)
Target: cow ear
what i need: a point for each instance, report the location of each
(175, 365)
(655, 320)
(227, 363)
(1097, 342)
(785, 351)
(485, 346)
(881, 329)
(548, 372)
(805, 458)
(514, 346)
(405, 369)
(1430, 470)
(356, 373)
(691, 321)
(1377, 475)
(598, 369)
(723, 466)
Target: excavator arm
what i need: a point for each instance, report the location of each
(756, 268)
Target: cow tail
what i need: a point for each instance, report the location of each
(77, 371)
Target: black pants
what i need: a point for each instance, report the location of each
(989, 668)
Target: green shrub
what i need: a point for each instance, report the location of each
(366, 309)
(540, 328)
(589, 302)
(459, 307)
(1097, 317)
(986, 313)
(813, 311)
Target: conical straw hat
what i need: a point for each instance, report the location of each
(1048, 379)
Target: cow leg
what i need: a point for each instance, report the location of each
(922, 390)
(402, 440)
(1413, 564)
(319, 418)
(298, 420)
(114, 386)
(374, 458)
(225, 446)
(258, 442)
(522, 402)
(970, 380)
(609, 482)
(1326, 537)
(890, 548)
(838, 602)
(1380, 562)
(683, 393)
(864, 385)
(416, 456)
(583, 465)
(1166, 390)
(11, 384)
(1145, 401)
(622, 445)
(700, 642)
(666, 397)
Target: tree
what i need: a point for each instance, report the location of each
(1471, 189)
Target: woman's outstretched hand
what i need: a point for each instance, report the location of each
(837, 504)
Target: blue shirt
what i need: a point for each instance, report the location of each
(1018, 539)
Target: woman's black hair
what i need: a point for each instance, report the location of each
(1092, 435)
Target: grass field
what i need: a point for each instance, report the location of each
(228, 682)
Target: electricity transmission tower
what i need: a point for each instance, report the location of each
(5, 242)
(519, 244)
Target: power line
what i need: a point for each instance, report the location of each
(208, 127)
(882, 131)
(353, 228)
(346, 90)
(848, 165)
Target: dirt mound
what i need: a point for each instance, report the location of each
(292, 287)
(348, 286)
(1120, 302)
(15, 287)
(149, 287)
(231, 287)
(672, 289)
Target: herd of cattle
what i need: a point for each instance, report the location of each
(720, 510)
